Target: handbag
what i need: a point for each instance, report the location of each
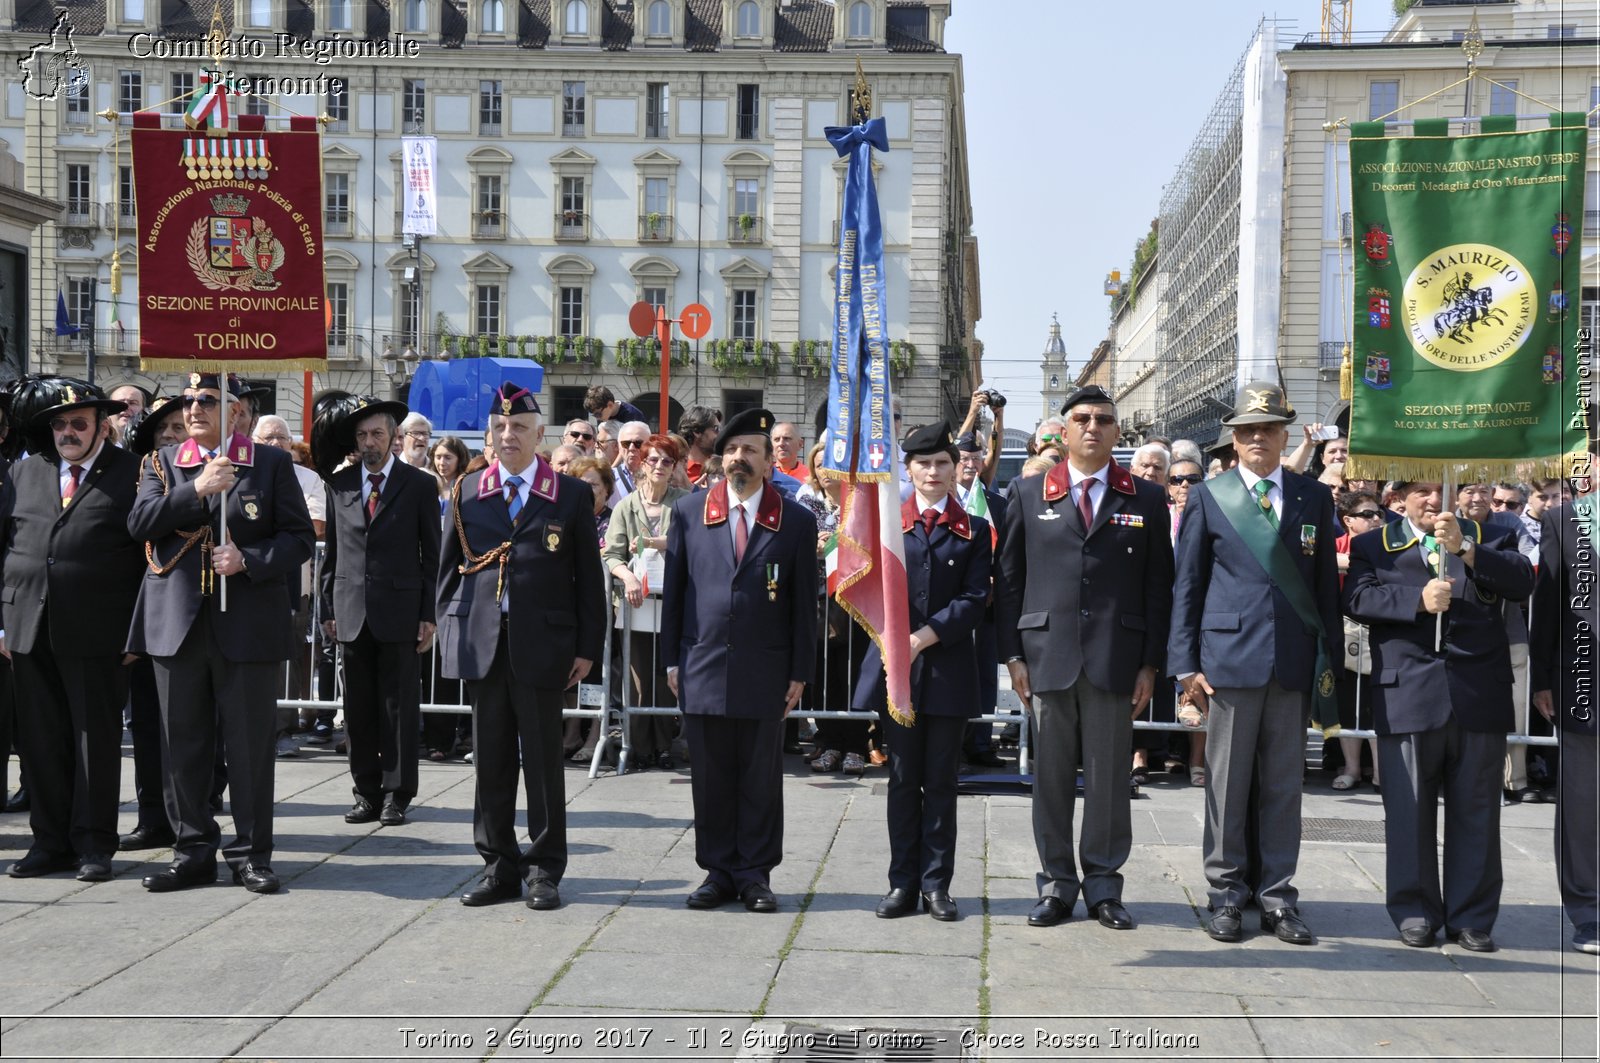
(1357, 651)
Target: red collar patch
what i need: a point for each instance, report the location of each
(540, 478)
(769, 511)
(953, 517)
(717, 503)
(1058, 481)
(240, 451)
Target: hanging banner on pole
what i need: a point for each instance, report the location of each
(230, 247)
(1466, 290)
(421, 213)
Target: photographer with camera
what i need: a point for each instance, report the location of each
(990, 399)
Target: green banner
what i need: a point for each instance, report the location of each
(1466, 302)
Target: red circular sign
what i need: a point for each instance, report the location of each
(642, 319)
(695, 321)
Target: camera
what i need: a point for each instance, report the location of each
(997, 401)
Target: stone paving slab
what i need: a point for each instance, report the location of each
(369, 941)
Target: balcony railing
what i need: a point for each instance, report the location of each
(1330, 353)
(655, 228)
(572, 225)
(119, 213)
(81, 214)
(744, 228)
(337, 221)
(489, 224)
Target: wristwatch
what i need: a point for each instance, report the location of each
(1465, 543)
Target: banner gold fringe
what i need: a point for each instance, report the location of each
(905, 717)
(1432, 470)
(232, 365)
(861, 477)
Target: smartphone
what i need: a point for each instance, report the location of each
(1325, 433)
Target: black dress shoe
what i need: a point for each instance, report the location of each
(1472, 940)
(1049, 911)
(38, 862)
(18, 802)
(146, 836)
(491, 890)
(709, 894)
(758, 898)
(182, 875)
(986, 758)
(940, 906)
(363, 811)
(1112, 915)
(1287, 925)
(1226, 924)
(94, 867)
(257, 878)
(393, 814)
(1418, 937)
(897, 902)
(543, 895)
(665, 762)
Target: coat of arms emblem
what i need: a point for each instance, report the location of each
(230, 251)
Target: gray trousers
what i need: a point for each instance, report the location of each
(1466, 767)
(1082, 721)
(1259, 735)
(1577, 835)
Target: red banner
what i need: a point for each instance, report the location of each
(230, 247)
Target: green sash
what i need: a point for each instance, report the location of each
(1266, 546)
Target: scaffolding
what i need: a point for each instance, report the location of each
(1197, 340)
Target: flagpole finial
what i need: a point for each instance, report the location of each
(860, 96)
(1472, 42)
(217, 35)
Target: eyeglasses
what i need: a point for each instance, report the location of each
(205, 402)
(1187, 478)
(631, 443)
(580, 435)
(1104, 420)
(1506, 503)
(275, 438)
(1367, 514)
(660, 460)
(417, 433)
(77, 424)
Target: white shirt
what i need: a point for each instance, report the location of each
(1096, 493)
(526, 476)
(1274, 494)
(386, 472)
(83, 463)
(937, 507)
(749, 511)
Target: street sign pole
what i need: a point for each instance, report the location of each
(664, 337)
(646, 320)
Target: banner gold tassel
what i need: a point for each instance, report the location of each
(1346, 375)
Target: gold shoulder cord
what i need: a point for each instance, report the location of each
(478, 562)
(203, 537)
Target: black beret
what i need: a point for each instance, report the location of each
(928, 439)
(1087, 393)
(746, 423)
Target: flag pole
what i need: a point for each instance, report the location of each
(1444, 565)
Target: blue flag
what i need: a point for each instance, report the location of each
(64, 325)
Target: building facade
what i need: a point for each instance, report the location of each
(591, 154)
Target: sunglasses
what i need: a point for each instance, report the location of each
(1504, 503)
(205, 402)
(631, 443)
(1104, 420)
(77, 424)
(1187, 478)
(581, 435)
(1367, 514)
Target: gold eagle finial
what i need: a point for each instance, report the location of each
(860, 96)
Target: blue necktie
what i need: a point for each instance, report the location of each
(514, 499)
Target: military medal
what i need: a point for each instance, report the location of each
(1308, 539)
(552, 537)
(772, 583)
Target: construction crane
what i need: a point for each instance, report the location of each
(1336, 21)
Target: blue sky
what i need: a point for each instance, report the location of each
(1077, 115)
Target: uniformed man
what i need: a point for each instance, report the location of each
(1441, 705)
(1564, 648)
(948, 558)
(523, 614)
(217, 668)
(1255, 621)
(379, 576)
(738, 636)
(1085, 598)
(71, 574)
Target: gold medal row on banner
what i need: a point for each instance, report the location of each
(206, 158)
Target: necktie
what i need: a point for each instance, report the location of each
(513, 497)
(930, 517)
(1430, 548)
(1262, 487)
(376, 479)
(1086, 504)
(72, 487)
(741, 534)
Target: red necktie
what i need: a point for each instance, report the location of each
(72, 488)
(1085, 506)
(376, 479)
(741, 534)
(930, 517)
